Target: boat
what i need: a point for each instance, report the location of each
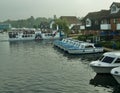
(73, 46)
(84, 48)
(116, 73)
(31, 34)
(61, 43)
(106, 62)
(66, 43)
(21, 34)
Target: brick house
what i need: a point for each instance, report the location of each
(105, 22)
(92, 21)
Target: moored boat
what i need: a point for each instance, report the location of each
(21, 34)
(31, 34)
(85, 48)
(106, 62)
(73, 46)
(116, 73)
(61, 43)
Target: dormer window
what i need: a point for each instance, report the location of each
(88, 23)
(113, 9)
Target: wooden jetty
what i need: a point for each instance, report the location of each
(108, 49)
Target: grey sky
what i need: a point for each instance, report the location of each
(21, 9)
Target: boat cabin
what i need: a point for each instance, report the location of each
(110, 57)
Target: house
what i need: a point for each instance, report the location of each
(5, 27)
(92, 21)
(111, 23)
(104, 22)
(73, 22)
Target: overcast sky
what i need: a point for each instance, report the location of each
(21, 9)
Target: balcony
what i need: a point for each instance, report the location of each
(105, 26)
(118, 26)
(82, 27)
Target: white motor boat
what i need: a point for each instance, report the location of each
(84, 48)
(61, 43)
(106, 62)
(116, 73)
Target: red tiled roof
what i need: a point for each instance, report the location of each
(70, 19)
(97, 15)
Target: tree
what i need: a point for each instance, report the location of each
(62, 25)
(28, 23)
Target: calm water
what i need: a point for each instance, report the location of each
(38, 67)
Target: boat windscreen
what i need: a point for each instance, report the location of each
(108, 59)
(118, 60)
(101, 58)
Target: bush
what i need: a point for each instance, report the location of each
(82, 38)
(111, 44)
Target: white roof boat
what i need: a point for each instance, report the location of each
(61, 43)
(31, 34)
(106, 62)
(67, 43)
(84, 48)
(72, 44)
(116, 73)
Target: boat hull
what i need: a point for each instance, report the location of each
(99, 69)
(84, 51)
(116, 74)
(31, 38)
(117, 78)
(32, 35)
(20, 39)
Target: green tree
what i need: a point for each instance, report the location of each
(28, 23)
(63, 25)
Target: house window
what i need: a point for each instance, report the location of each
(115, 21)
(105, 22)
(114, 9)
(88, 23)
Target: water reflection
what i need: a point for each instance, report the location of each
(37, 67)
(42, 42)
(116, 89)
(105, 80)
(86, 57)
